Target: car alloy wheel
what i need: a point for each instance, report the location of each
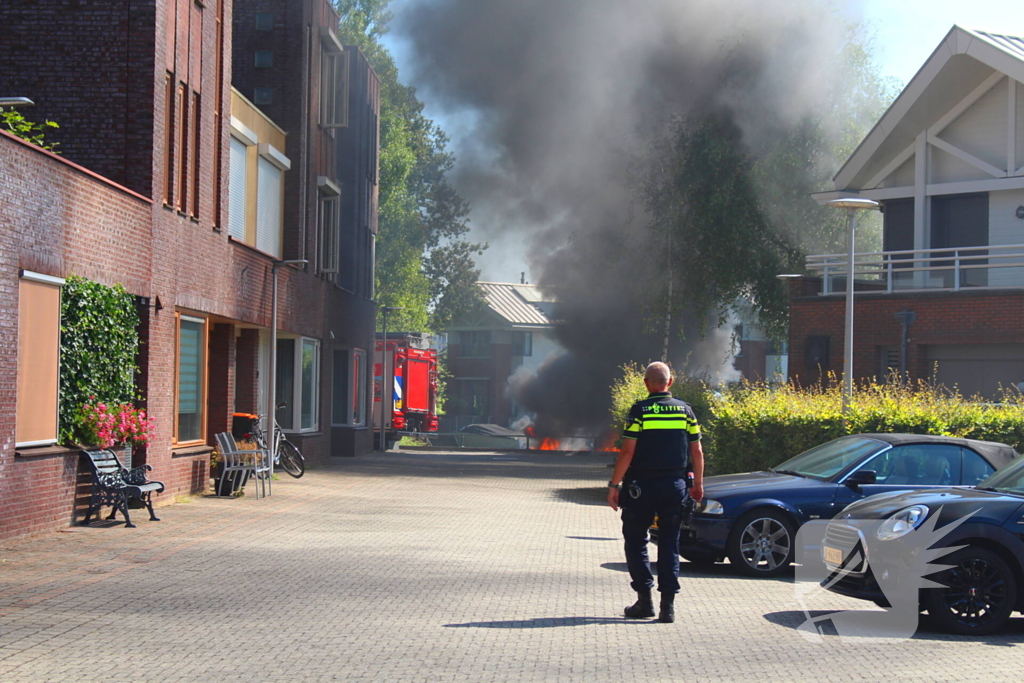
(762, 543)
(979, 595)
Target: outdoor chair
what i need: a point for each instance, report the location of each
(242, 464)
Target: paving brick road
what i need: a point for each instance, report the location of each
(417, 567)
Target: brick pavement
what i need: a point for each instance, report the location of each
(415, 567)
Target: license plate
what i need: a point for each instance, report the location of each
(833, 555)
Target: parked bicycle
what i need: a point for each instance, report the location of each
(285, 453)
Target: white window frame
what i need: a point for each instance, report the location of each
(240, 133)
(333, 81)
(329, 226)
(355, 388)
(270, 168)
(297, 389)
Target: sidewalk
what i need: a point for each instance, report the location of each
(412, 567)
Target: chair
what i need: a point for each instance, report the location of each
(240, 463)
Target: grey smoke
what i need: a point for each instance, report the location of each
(554, 99)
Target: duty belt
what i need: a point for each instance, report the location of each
(657, 474)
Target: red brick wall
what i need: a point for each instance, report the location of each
(987, 317)
(59, 218)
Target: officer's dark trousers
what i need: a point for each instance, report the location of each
(664, 498)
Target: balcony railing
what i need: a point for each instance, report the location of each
(952, 269)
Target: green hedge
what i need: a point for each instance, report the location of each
(753, 427)
(99, 343)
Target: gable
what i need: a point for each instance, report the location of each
(963, 113)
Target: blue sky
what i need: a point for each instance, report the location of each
(909, 30)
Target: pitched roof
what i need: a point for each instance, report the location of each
(919, 105)
(518, 304)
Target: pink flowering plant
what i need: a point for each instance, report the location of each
(104, 425)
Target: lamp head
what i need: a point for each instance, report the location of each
(852, 203)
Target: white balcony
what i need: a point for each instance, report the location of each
(948, 269)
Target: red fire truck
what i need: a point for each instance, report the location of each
(412, 367)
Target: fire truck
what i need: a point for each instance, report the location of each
(411, 365)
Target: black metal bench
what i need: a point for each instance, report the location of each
(113, 484)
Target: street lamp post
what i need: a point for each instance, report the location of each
(386, 388)
(852, 205)
(272, 390)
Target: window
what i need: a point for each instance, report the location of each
(333, 81)
(268, 207)
(349, 404)
(169, 138)
(475, 344)
(190, 382)
(917, 465)
(469, 397)
(975, 468)
(38, 359)
(264, 59)
(193, 162)
(522, 343)
(329, 226)
(237, 193)
(182, 115)
(310, 384)
(298, 383)
(263, 95)
(264, 21)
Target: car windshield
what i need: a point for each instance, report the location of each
(829, 459)
(1009, 478)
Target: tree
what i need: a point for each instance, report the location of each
(730, 212)
(424, 262)
(29, 131)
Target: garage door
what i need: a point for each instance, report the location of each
(978, 368)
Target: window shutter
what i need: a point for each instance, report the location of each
(236, 190)
(268, 209)
(38, 361)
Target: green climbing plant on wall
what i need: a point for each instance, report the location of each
(99, 343)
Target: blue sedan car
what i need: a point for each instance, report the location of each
(752, 518)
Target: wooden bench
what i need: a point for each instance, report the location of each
(113, 484)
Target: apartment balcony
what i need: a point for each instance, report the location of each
(923, 270)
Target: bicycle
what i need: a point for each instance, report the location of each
(286, 454)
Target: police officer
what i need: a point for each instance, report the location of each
(661, 444)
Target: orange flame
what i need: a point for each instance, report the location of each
(548, 444)
(608, 444)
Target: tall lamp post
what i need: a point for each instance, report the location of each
(386, 388)
(272, 391)
(852, 205)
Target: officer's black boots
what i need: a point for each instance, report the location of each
(643, 608)
(668, 611)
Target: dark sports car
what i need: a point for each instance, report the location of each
(873, 546)
(752, 518)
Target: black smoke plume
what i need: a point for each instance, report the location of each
(556, 101)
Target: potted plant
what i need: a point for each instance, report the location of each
(99, 425)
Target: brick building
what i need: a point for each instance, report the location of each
(946, 164)
(513, 332)
(148, 192)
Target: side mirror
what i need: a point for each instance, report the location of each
(861, 477)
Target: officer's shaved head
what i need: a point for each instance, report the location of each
(658, 375)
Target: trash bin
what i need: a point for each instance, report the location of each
(241, 424)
